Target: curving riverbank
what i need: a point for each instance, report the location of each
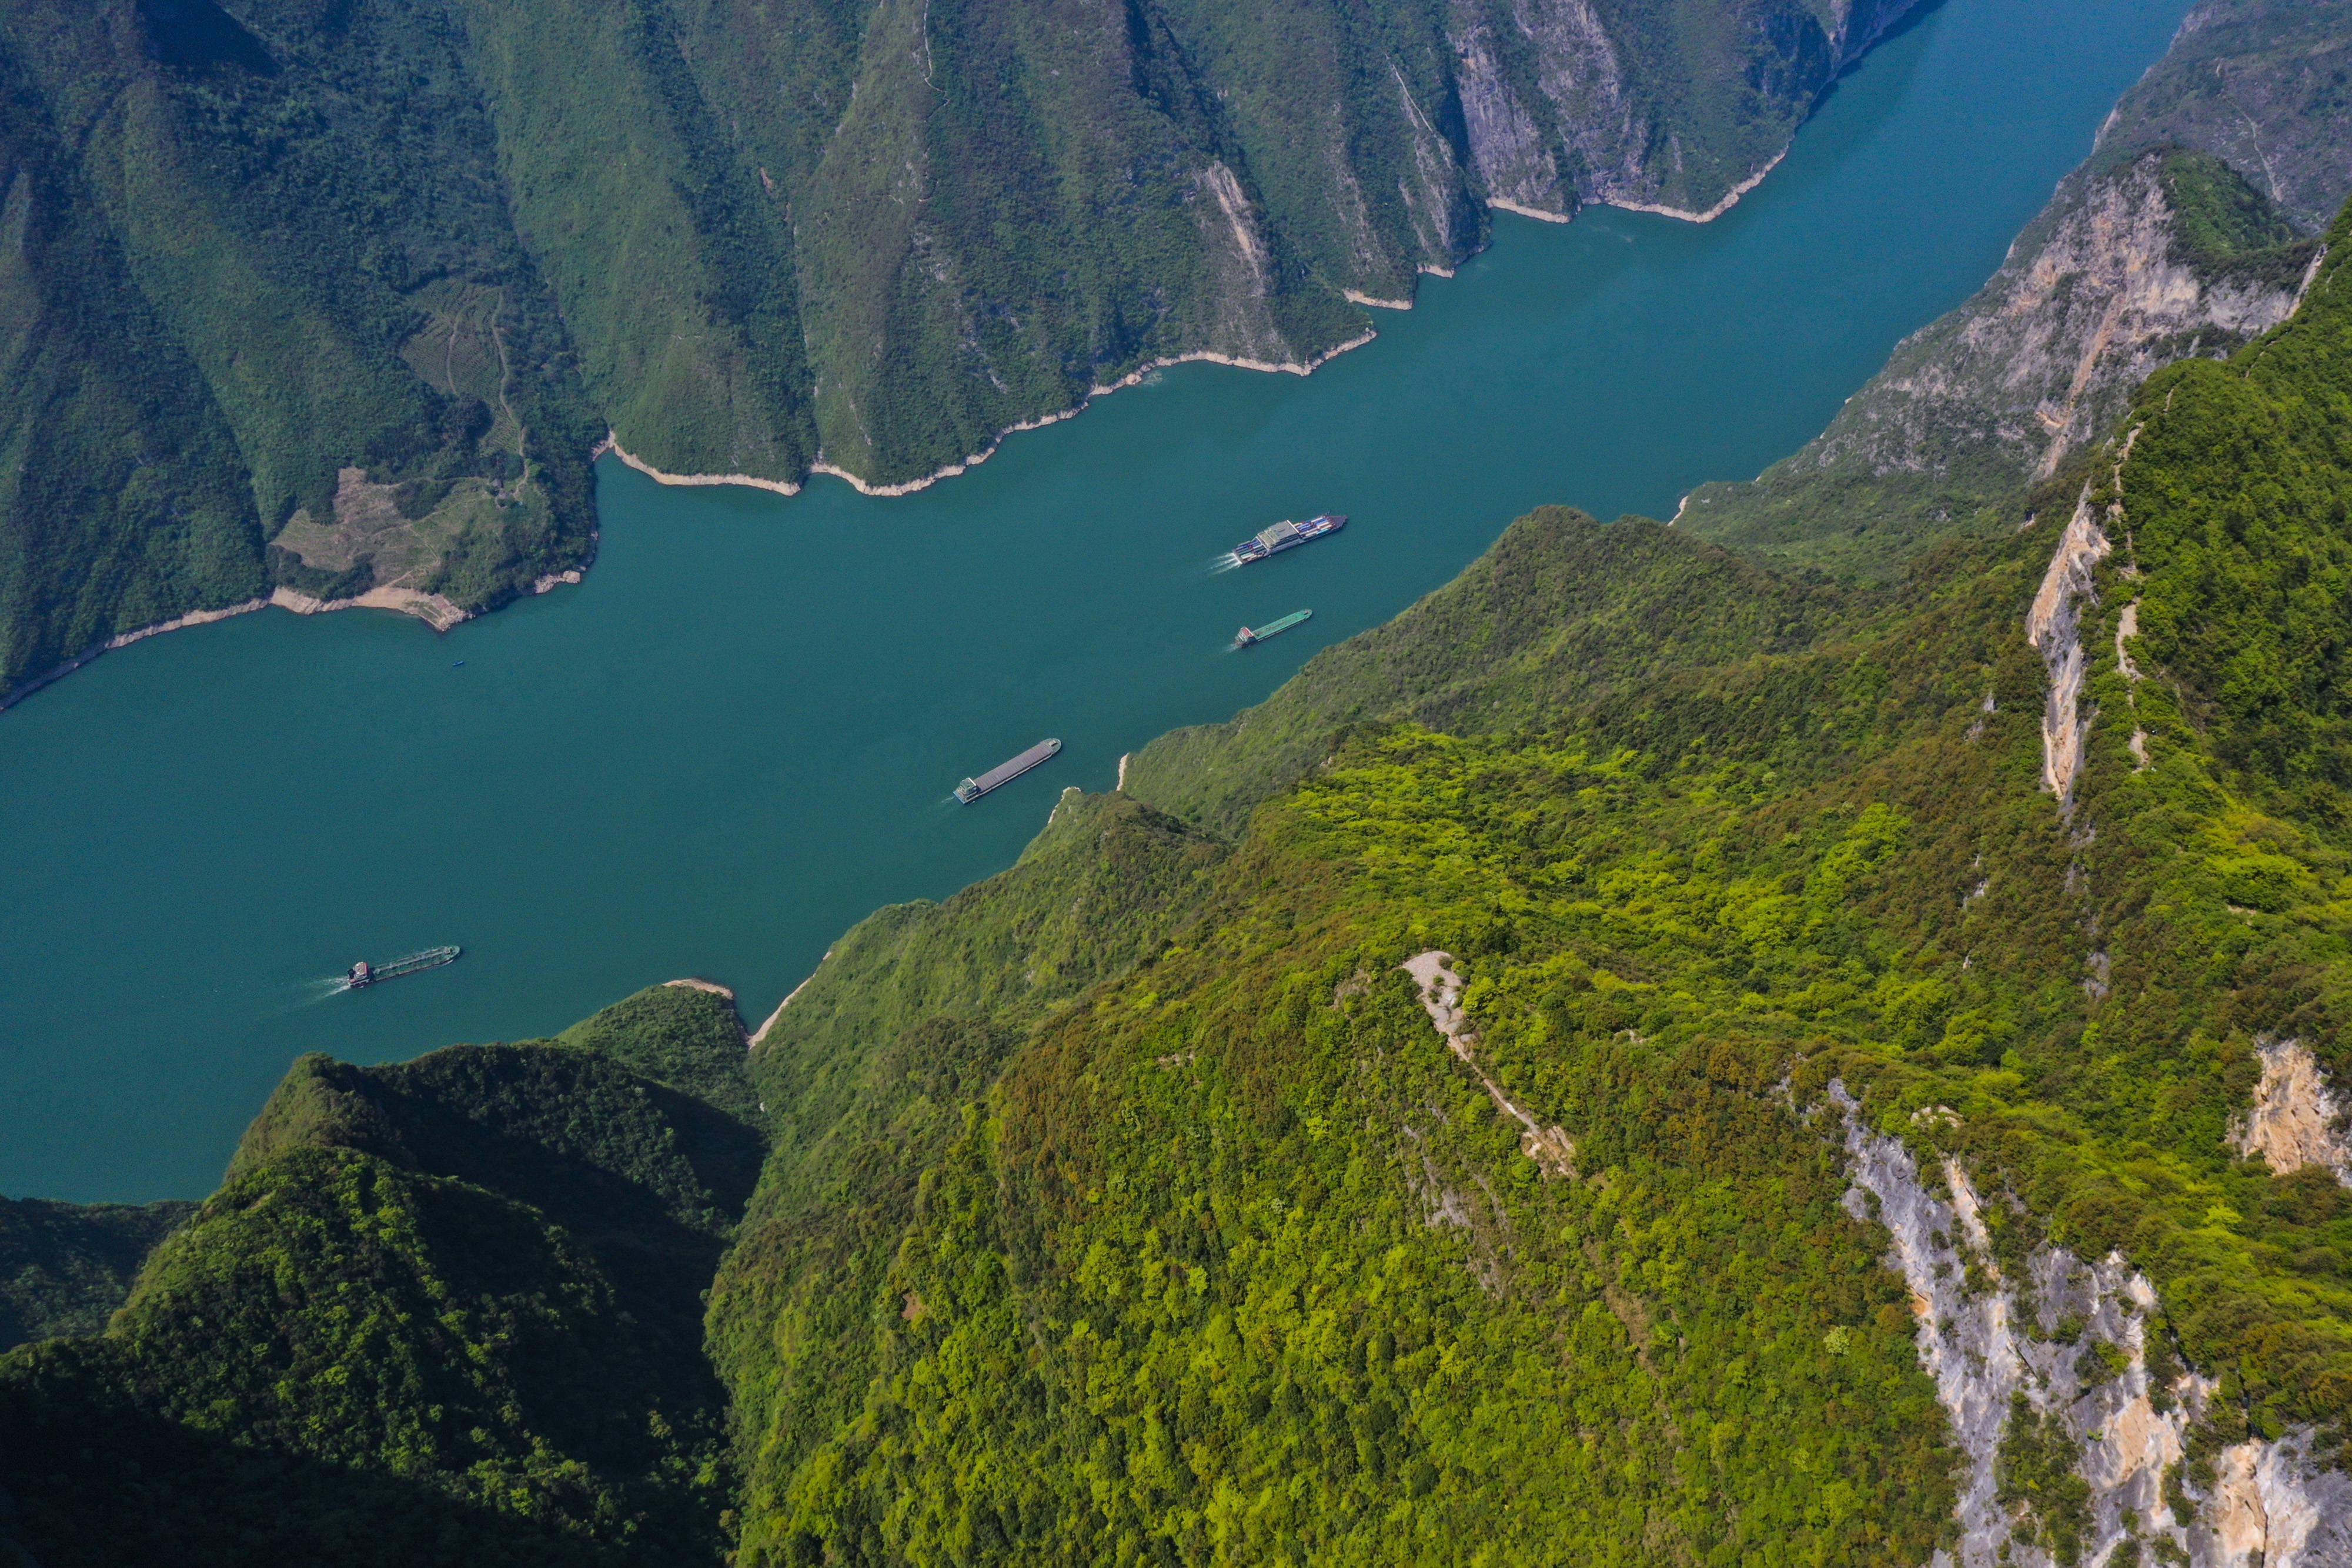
(612, 443)
(864, 486)
(430, 608)
(760, 1036)
(1730, 198)
(1134, 377)
(442, 614)
(435, 611)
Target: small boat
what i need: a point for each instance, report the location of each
(1004, 773)
(1246, 638)
(1286, 535)
(364, 974)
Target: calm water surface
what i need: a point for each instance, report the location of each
(738, 737)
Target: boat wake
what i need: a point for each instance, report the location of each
(1228, 561)
(296, 995)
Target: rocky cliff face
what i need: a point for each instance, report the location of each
(2075, 1416)
(2053, 625)
(1556, 117)
(2182, 235)
(2295, 1120)
(2043, 362)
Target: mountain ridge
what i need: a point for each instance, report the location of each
(1657, 1054)
(448, 245)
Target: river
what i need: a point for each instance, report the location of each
(738, 737)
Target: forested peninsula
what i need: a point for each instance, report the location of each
(1814, 1033)
(332, 303)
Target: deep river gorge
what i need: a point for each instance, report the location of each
(737, 737)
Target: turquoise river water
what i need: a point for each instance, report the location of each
(738, 737)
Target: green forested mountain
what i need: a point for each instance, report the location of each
(337, 300)
(1659, 1055)
(1238, 1261)
(447, 1312)
(1841, 1077)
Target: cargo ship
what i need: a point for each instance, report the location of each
(1286, 535)
(365, 973)
(1247, 638)
(1004, 773)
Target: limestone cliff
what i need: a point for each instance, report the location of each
(1558, 112)
(2295, 1120)
(2043, 359)
(2066, 1367)
(2179, 237)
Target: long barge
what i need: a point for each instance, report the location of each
(1286, 535)
(1247, 638)
(1006, 772)
(364, 974)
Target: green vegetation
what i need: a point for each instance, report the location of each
(910, 1020)
(2037, 1472)
(122, 500)
(260, 232)
(443, 1312)
(2246, 606)
(1237, 1264)
(2226, 229)
(1561, 610)
(64, 1267)
(1237, 1261)
(681, 1036)
(340, 298)
(1128, 1208)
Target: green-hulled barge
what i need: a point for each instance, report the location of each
(1247, 638)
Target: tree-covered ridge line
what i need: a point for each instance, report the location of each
(447, 1311)
(339, 299)
(1825, 861)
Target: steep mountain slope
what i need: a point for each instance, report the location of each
(866, 1069)
(2187, 232)
(122, 500)
(64, 1267)
(1286, 1246)
(443, 1312)
(2265, 87)
(338, 300)
(1854, 1084)
(1650, 1058)
(1559, 610)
